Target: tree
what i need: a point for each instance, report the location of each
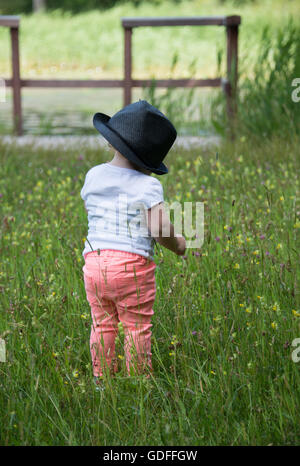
(38, 5)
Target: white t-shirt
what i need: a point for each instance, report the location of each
(117, 199)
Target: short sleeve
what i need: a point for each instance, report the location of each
(83, 192)
(155, 194)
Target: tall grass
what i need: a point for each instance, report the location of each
(225, 315)
(180, 105)
(265, 104)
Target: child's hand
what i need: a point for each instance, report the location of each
(181, 245)
(159, 225)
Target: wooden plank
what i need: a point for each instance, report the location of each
(16, 81)
(234, 20)
(127, 66)
(232, 54)
(65, 83)
(10, 21)
(216, 82)
(181, 21)
(232, 74)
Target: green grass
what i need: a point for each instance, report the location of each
(90, 44)
(224, 320)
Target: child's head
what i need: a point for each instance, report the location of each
(123, 161)
(140, 133)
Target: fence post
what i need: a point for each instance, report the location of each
(16, 80)
(127, 66)
(232, 74)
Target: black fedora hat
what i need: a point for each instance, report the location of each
(141, 133)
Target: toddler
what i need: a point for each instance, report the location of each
(126, 216)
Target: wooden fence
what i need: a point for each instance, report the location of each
(13, 22)
(229, 84)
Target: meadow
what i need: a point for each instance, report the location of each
(225, 315)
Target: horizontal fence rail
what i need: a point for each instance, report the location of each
(10, 21)
(63, 83)
(229, 84)
(182, 21)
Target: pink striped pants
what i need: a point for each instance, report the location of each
(120, 287)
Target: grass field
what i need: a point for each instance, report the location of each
(225, 316)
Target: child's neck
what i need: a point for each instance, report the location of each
(121, 161)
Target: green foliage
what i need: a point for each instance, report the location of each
(14, 7)
(74, 6)
(265, 103)
(238, 2)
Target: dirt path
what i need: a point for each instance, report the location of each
(93, 142)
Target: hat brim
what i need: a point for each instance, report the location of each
(101, 123)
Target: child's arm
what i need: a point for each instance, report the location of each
(158, 223)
